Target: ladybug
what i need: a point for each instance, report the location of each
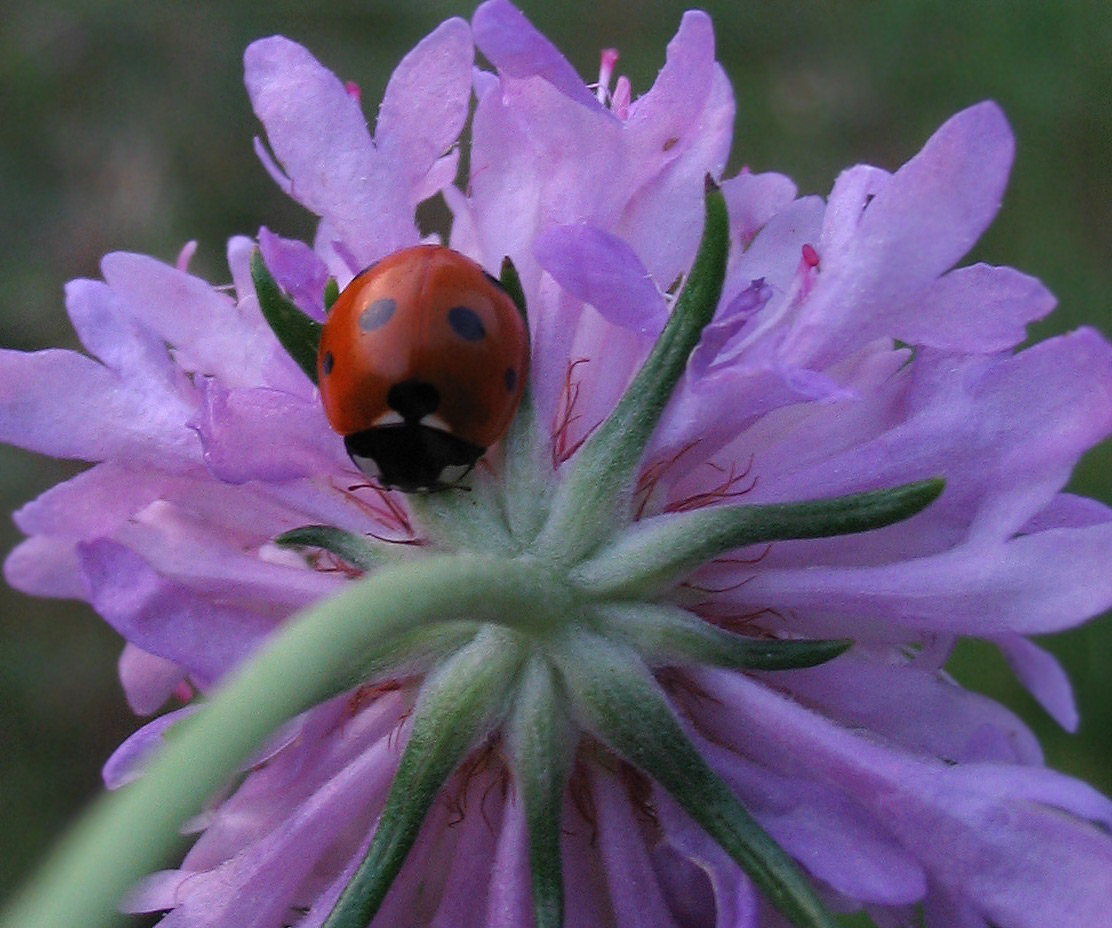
(421, 366)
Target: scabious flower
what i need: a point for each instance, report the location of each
(846, 354)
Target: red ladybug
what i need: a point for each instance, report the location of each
(421, 367)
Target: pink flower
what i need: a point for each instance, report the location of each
(847, 354)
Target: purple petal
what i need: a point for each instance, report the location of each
(828, 833)
(753, 199)
(634, 890)
(257, 889)
(735, 900)
(509, 903)
(664, 218)
(601, 269)
(661, 119)
(203, 327)
(108, 331)
(1033, 584)
(1004, 433)
(263, 434)
(126, 762)
(95, 502)
(920, 222)
(978, 308)
(165, 618)
(924, 712)
(42, 566)
(215, 559)
(1043, 677)
(148, 681)
(425, 105)
(973, 826)
(97, 417)
(515, 48)
(297, 269)
(311, 120)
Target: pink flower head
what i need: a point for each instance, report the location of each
(848, 353)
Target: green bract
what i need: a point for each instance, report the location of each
(534, 610)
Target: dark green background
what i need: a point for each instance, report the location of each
(125, 126)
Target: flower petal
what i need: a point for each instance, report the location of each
(601, 269)
(425, 105)
(262, 434)
(514, 46)
(165, 618)
(148, 680)
(96, 417)
(978, 308)
(920, 222)
(1044, 678)
(986, 832)
(311, 120)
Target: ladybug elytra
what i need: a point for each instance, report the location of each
(422, 363)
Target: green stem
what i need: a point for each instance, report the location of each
(317, 654)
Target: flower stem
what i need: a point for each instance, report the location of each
(316, 655)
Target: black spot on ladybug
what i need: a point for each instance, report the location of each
(326, 364)
(466, 323)
(510, 377)
(413, 399)
(377, 314)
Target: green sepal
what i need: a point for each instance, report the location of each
(457, 706)
(465, 518)
(616, 698)
(296, 332)
(655, 553)
(597, 491)
(541, 744)
(668, 635)
(354, 549)
(331, 293)
(525, 489)
(511, 283)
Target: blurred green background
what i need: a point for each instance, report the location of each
(125, 126)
